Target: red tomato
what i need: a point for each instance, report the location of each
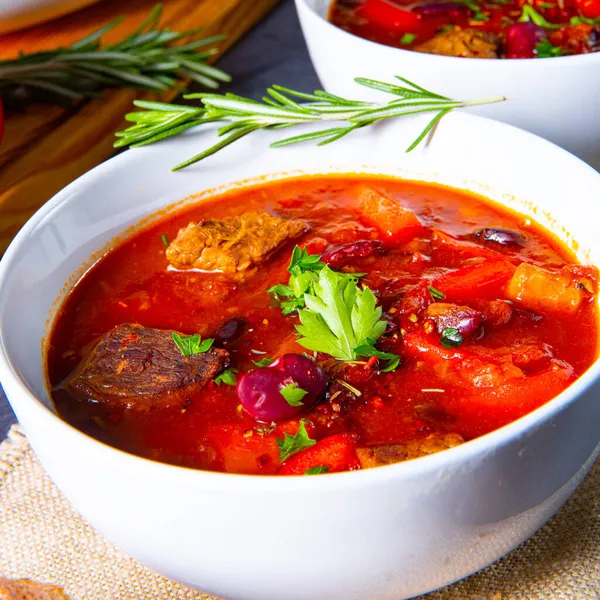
(336, 452)
(388, 15)
(589, 8)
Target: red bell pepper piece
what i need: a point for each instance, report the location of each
(388, 15)
(336, 452)
(589, 8)
(484, 279)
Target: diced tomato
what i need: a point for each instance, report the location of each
(388, 15)
(589, 8)
(336, 452)
(485, 279)
(538, 289)
(396, 223)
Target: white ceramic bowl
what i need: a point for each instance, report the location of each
(555, 98)
(18, 14)
(381, 534)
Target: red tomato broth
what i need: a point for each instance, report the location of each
(207, 430)
(390, 21)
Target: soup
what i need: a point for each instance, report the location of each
(321, 324)
(473, 29)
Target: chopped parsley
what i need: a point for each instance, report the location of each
(435, 293)
(408, 38)
(451, 338)
(263, 362)
(290, 444)
(368, 349)
(530, 14)
(546, 49)
(581, 20)
(293, 394)
(192, 344)
(228, 376)
(318, 470)
(164, 240)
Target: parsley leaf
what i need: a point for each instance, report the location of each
(530, 14)
(263, 362)
(305, 261)
(584, 21)
(164, 240)
(192, 344)
(435, 293)
(290, 444)
(293, 394)
(546, 49)
(317, 470)
(451, 338)
(408, 38)
(339, 316)
(227, 376)
(368, 349)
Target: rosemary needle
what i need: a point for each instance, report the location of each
(281, 108)
(144, 60)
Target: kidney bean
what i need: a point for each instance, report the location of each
(522, 38)
(230, 331)
(338, 256)
(504, 237)
(441, 9)
(465, 319)
(259, 391)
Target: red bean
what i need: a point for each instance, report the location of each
(522, 38)
(504, 237)
(259, 391)
(338, 256)
(441, 9)
(465, 319)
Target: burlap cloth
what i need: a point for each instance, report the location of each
(41, 537)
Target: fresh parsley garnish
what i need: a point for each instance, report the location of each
(317, 470)
(303, 269)
(293, 394)
(228, 376)
(546, 49)
(478, 15)
(164, 240)
(192, 344)
(368, 349)
(435, 293)
(290, 444)
(263, 362)
(581, 20)
(408, 38)
(530, 14)
(339, 316)
(451, 338)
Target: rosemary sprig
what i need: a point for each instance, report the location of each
(281, 108)
(144, 60)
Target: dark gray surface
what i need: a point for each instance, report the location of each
(273, 52)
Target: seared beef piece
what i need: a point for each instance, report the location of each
(387, 455)
(233, 246)
(25, 589)
(139, 367)
(465, 319)
(467, 43)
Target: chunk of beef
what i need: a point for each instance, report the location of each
(234, 246)
(466, 320)
(139, 367)
(467, 43)
(377, 456)
(25, 589)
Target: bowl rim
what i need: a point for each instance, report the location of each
(442, 461)
(522, 62)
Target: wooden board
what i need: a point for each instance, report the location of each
(46, 147)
